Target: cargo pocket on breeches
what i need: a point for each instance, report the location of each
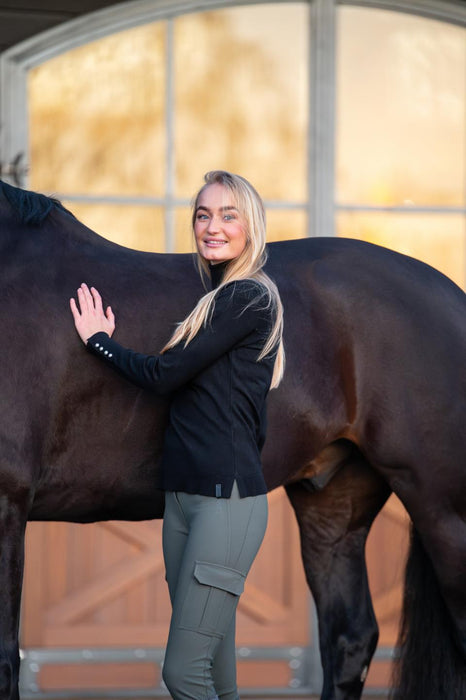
(211, 599)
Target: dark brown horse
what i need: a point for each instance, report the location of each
(374, 400)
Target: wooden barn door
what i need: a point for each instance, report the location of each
(101, 587)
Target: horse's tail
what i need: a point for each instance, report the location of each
(429, 664)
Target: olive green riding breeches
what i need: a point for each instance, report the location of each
(209, 545)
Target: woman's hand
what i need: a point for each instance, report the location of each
(90, 317)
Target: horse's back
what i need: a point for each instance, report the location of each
(373, 293)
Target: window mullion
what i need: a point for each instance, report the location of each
(169, 131)
(322, 119)
(13, 120)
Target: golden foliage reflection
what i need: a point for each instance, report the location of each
(401, 109)
(241, 94)
(439, 241)
(97, 117)
(140, 227)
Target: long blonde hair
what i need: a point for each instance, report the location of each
(248, 265)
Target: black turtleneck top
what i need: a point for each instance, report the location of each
(218, 391)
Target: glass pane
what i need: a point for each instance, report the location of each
(184, 239)
(401, 127)
(438, 240)
(138, 227)
(97, 117)
(284, 224)
(241, 97)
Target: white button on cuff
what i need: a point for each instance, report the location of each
(110, 354)
(106, 352)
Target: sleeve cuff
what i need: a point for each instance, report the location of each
(98, 344)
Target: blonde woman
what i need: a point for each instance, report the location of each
(218, 368)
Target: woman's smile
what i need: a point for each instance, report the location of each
(214, 242)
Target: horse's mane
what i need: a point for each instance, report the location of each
(31, 207)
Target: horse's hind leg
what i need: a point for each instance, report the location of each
(334, 525)
(12, 527)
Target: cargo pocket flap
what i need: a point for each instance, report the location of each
(220, 577)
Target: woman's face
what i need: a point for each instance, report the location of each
(219, 228)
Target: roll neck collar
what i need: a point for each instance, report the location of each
(216, 273)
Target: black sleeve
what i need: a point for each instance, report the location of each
(239, 310)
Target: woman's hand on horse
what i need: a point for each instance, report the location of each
(90, 317)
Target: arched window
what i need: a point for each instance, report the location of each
(348, 119)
